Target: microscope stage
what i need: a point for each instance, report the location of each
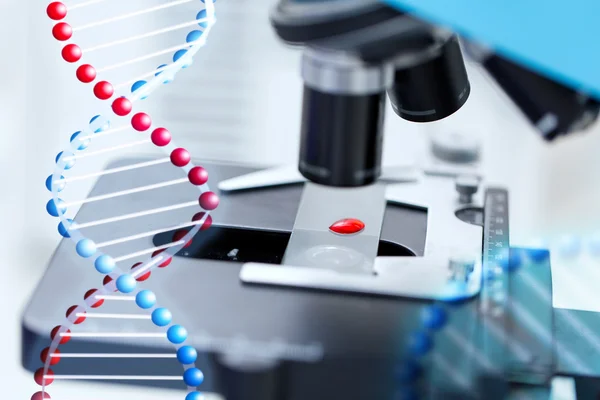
(271, 342)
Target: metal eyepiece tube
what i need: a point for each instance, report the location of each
(342, 118)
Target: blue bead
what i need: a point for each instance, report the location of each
(202, 15)
(58, 186)
(187, 355)
(145, 299)
(99, 124)
(594, 246)
(214, 1)
(195, 396)
(408, 372)
(193, 36)
(78, 143)
(56, 208)
(66, 164)
(176, 334)
(162, 68)
(63, 230)
(137, 86)
(419, 344)
(569, 247)
(86, 248)
(161, 317)
(193, 377)
(180, 53)
(104, 264)
(126, 283)
(434, 317)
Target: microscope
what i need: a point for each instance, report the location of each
(347, 286)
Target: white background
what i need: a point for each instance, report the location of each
(554, 188)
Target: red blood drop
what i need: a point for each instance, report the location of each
(347, 226)
(161, 137)
(208, 200)
(141, 122)
(180, 157)
(56, 331)
(143, 277)
(198, 176)
(53, 360)
(56, 10)
(73, 309)
(38, 377)
(40, 396)
(91, 292)
(166, 262)
(62, 31)
(103, 90)
(207, 222)
(122, 106)
(180, 234)
(71, 53)
(86, 73)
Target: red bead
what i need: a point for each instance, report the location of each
(122, 106)
(89, 294)
(141, 122)
(71, 53)
(207, 222)
(62, 31)
(209, 200)
(103, 90)
(161, 137)
(86, 73)
(198, 176)
(143, 277)
(180, 157)
(110, 283)
(180, 234)
(75, 319)
(38, 377)
(56, 10)
(56, 331)
(40, 396)
(53, 360)
(347, 226)
(164, 263)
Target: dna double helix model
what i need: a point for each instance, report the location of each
(125, 24)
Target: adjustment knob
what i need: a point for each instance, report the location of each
(467, 186)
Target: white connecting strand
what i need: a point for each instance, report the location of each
(142, 58)
(126, 192)
(131, 15)
(114, 377)
(148, 251)
(113, 316)
(147, 234)
(148, 74)
(112, 335)
(107, 150)
(112, 297)
(143, 36)
(105, 133)
(84, 4)
(133, 215)
(108, 172)
(112, 355)
(147, 267)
